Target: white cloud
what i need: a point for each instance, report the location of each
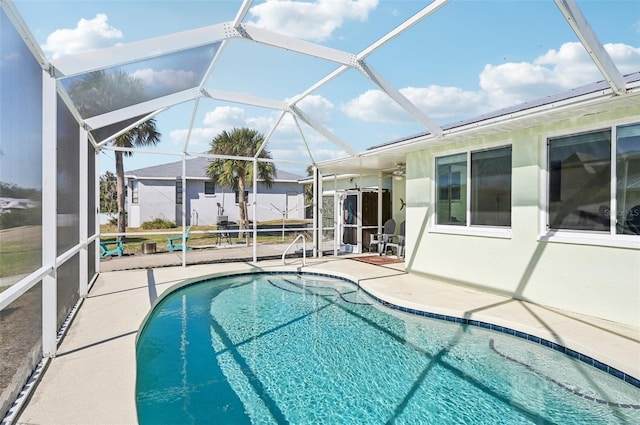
(566, 68)
(444, 102)
(89, 34)
(626, 58)
(199, 140)
(374, 106)
(316, 106)
(512, 83)
(285, 144)
(501, 86)
(224, 117)
(215, 121)
(309, 20)
(437, 102)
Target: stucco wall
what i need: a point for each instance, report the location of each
(157, 200)
(601, 281)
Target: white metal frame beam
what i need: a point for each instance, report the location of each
(399, 98)
(108, 57)
(322, 130)
(242, 12)
(269, 38)
(589, 40)
(129, 127)
(413, 20)
(376, 78)
(245, 99)
(143, 108)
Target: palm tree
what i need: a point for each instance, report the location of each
(100, 92)
(235, 173)
(144, 134)
(108, 193)
(308, 194)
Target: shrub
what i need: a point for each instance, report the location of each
(158, 223)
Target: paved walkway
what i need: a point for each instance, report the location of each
(92, 379)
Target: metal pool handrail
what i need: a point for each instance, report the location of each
(304, 249)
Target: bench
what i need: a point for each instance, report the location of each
(173, 245)
(109, 248)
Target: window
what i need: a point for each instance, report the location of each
(209, 188)
(584, 171)
(452, 194)
(134, 192)
(628, 179)
(579, 182)
(246, 196)
(489, 188)
(179, 191)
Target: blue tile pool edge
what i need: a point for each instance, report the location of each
(471, 322)
(503, 329)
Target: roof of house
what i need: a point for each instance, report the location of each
(196, 169)
(547, 100)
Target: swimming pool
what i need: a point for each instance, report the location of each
(311, 349)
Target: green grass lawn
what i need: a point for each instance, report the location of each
(133, 243)
(20, 251)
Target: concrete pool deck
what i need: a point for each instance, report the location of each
(92, 378)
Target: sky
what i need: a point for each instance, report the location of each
(468, 58)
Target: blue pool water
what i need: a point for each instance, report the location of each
(306, 349)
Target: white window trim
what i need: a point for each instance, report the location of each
(587, 238)
(582, 237)
(468, 229)
(485, 231)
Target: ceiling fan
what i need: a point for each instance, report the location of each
(398, 172)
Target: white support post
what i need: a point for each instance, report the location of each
(49, 215)
(379, 202)
(336, 221)
(253, 210)
(320, 210)
(359, 244)
(83, 212)
(315, 211)
(184, 210)
(96, 210)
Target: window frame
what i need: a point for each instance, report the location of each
(179, 191)
(584, 237)
(135, 192)
(468, 229)
(213, 188)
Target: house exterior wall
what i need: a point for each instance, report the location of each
(595, 279)
(157, 200)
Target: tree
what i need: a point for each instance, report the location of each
(308, 194)
(235, 173)
(100, 92)
(108, 193)
(144, 134)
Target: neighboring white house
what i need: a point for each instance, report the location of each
(157, 192)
